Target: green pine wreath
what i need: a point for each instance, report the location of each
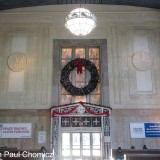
(66, 83)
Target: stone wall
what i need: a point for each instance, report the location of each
(133, 38)
(121, 136)
(40, 120)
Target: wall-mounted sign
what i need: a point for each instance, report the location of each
(15, 130)
(41, 137)
(145, 130)
(152, 130)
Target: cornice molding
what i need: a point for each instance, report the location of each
(65, 12)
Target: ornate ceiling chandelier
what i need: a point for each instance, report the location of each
(80, 22)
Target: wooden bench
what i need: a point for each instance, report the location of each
(142, 157)
(138, 154)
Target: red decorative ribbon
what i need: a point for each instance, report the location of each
(79, 64)
(73, 109)
(65, 113)
(91, 112)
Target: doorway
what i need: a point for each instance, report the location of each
(76, 136)
(81, 146)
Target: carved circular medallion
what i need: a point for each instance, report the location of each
(142, 61)
(17, 62)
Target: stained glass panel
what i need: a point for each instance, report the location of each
(65, 99)
(80, 80)
(63, 91)
(96, 62)
(95, 99)
(94, 53)
(64, 62)
(66, 53)
(96, 90)
(80, 53)
(80, 99)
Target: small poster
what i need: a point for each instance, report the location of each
(137, 130)
(41, 137)
(15, 130)
(145, 130)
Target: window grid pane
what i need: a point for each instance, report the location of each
(65, 139)
(76, 152)
(80, 53)
(80, 98)
(66, 152)
(64, 62)
(65, 99)
(95, 99)
(76, 139)
(66, 53)
(94, 53)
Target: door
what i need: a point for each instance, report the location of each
(81, 146)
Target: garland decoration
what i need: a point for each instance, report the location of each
(54, 113)
(79, 63)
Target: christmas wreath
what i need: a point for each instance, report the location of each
(79, 63)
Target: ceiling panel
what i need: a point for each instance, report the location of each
(10, 4)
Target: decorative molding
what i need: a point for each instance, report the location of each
(122, 73)
(37, 89)
(66, 12)
(17, 62)
(79, 121)
(107, 13)
(24, 112)
(142, 61)
(83, 122)
(80, 109)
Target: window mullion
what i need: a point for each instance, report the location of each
(71, 155)
(87, 57)
(81, 143)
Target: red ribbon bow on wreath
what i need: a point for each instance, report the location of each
(79, 64)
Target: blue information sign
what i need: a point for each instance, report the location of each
(152, 130)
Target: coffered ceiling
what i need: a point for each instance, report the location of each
(10, 4)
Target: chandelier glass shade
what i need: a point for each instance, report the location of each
(80, 22)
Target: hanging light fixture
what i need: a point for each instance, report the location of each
(80, 22)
